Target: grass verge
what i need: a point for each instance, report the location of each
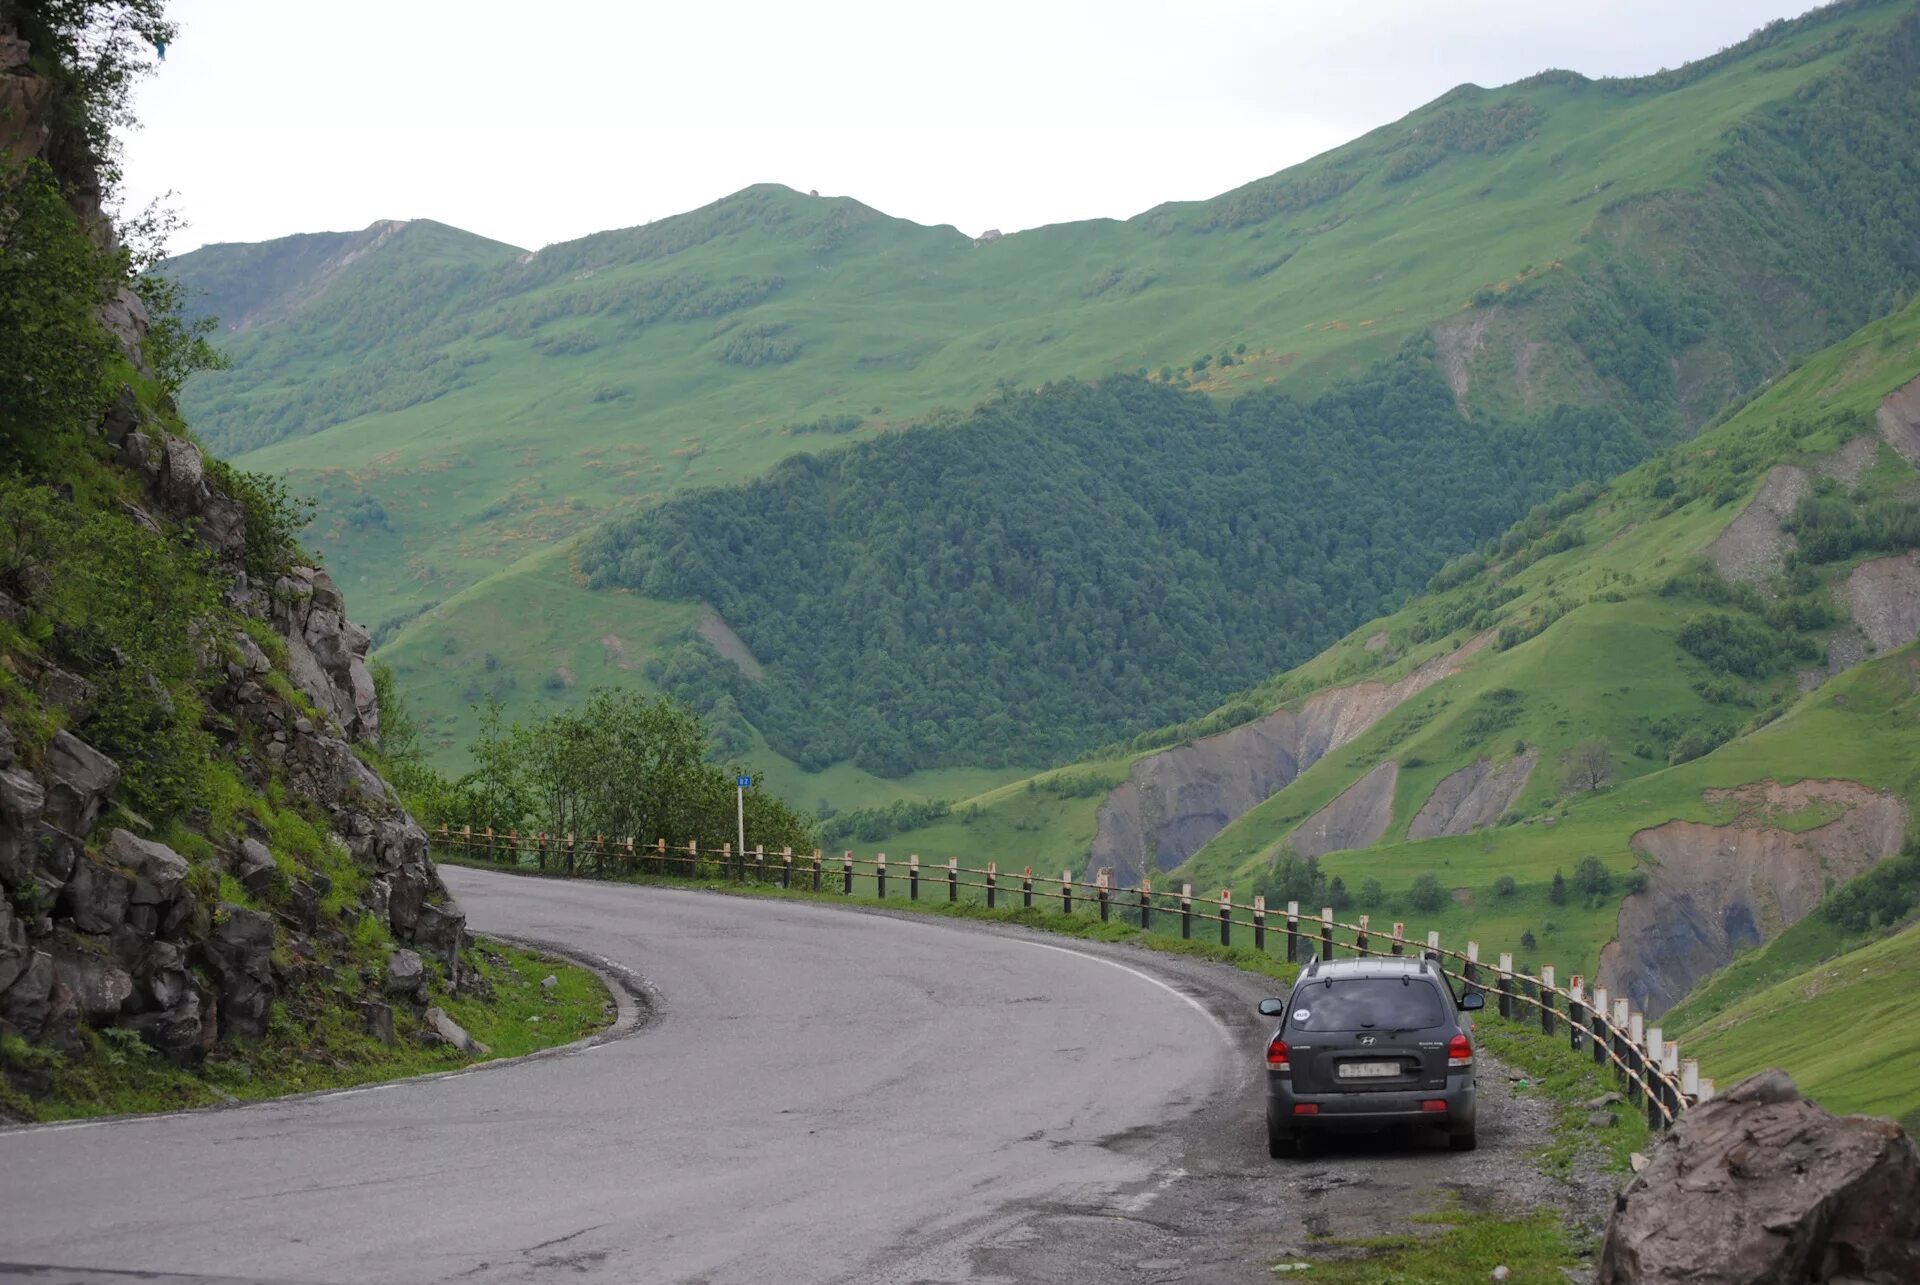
(1571, 1080)
(1534, 1248)
(326, 1048)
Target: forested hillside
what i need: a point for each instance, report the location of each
(1655, 246)
(1062, 566)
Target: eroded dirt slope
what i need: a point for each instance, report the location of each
(1478, 794)
(1173, 802)
(1713, 889)
(1357, 819)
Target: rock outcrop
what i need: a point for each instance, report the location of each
(1713, 889)
(126, 934)
(1478, 794)
(1173, 802)
(23, 100)
(1356, 819)
(1761, 1187)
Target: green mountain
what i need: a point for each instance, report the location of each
(1653, 727)
(1653, 247)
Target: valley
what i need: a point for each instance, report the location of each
(1558, 243)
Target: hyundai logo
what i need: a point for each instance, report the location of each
(1366, 1039)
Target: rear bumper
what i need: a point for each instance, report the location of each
(1368, 1112)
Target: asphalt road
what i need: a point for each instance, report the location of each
(818, 1095)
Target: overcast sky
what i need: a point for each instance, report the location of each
(540, 122)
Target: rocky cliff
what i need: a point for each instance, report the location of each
(285, 874)
(105, 926)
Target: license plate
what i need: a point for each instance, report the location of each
(1368, 1070)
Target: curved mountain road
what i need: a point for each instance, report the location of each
(821, 1095)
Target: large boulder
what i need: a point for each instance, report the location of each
(182, 1033)
(158, 870)
(100, 986)
(14, 952)
(1762, 1187)
(437, 931)
(25, 1004)
(255, 867)
(441, 1029)
(21, 802)
(406, 974)
(240, 951)
(96, 897)
(79, 778)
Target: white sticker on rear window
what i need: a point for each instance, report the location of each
(1301, 1014)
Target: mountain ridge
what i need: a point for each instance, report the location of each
(1562, 240)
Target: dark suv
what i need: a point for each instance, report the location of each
(1368, 1043)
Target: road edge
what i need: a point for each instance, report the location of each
(635, 1008)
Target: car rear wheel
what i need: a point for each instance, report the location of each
(1279, 1145)
(1467, 1141)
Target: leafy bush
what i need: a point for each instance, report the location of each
(1591, 876)
(53, 280)
(275, 517)
(1729, 644)
(870, 825)
(1880, 898)
(1504, 886)
(122, 607)
(1428, 894)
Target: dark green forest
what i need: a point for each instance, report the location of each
(1063, 566)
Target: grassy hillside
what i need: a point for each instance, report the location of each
(1588, 609)
(1867, 993)
(1655, 244)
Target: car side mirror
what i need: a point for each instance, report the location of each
(1472, 1001)
(1272, 1007)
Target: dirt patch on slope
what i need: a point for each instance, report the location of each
(1173, 802)
(1754, 546)
(1883, 597)
(1375, 642)
(1714, 889)
(1456, 343)
(1899, 421)
(1356, 819)
(729, 644)
(1478, 794)
(1850, 463)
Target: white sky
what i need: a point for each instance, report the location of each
(535, 123)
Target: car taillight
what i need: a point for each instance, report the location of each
(1277, 1055)
(1460, 1051)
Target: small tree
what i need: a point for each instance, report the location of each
(1557, 894)
(1371, 893)
(1527, 940)
(1427, 894)
(1591, 876)
(1337, 894)
(1504, 886)
(1586, 767)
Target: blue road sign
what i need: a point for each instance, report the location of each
(745, 783)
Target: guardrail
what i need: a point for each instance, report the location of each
(1649, 1066)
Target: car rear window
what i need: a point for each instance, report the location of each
(1366, 1003)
